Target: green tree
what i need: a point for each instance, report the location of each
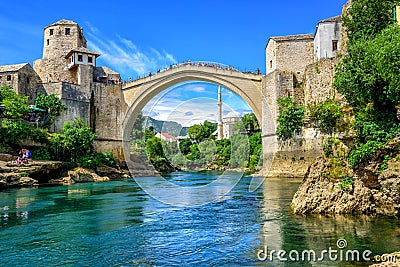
(149, 133)
(184, 146)
(250, 123)
(77, 139)
(198, 132)
(211, 128)
(154, 148)
(15, 106)
(223, 148)
(255, 143)
(52, 104)
(367, 18)
(290, 117)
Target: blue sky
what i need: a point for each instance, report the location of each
(135, 37)
(193, 102)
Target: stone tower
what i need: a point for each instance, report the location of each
(65, 56)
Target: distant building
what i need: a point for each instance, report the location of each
(21, 77)
(327, 38)
(166, 137)
(227, 127)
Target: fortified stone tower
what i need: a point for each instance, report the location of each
(65, 56)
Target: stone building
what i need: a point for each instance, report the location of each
(21, 77)
(327, 38)
(60, 38)
(228, 126)
(68, 69)
(290, 53)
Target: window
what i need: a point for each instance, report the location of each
(90, 59)
(80, 58)
(67, 31)
(51, 31)
(8, 77)
(334, 45)
(27, 80)
(270, 64)
(48, 42)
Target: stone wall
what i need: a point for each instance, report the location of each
(293, 156)
(277, 84)
(59, 43)
(108, 112)
(53, 70)
(78, 103)
(319, 78)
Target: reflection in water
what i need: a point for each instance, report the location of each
(116, 223)
(284, 231)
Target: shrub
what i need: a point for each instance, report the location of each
(361, 154)
(326, 115)
(346, 182)
(98, 159)
(290, 117)
(41, 153)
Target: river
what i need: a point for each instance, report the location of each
(117, 224)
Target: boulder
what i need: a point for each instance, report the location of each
(112, 173)
(369, 193)
(81, 175)
(16, 180)
(6, 157)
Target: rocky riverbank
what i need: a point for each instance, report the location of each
(373, 188)
(56, 172)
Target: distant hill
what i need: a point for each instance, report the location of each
(171, 127)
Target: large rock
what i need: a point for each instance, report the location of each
(19, 175)
(112, 173)
(388, 260)
(6, 157)
(81, 175)
(373, 191)
(16, 180)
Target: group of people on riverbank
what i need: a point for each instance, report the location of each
(24, 156)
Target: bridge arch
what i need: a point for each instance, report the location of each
(138, 93)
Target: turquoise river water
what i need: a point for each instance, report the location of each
(117, 224)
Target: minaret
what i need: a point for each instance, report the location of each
(220, 126)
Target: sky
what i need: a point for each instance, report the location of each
(136, 37)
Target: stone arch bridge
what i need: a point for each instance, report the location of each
(248, 86)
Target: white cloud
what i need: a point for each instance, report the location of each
(124, 56)
(199, 109)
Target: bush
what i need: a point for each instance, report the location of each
(290, 118)
(346, 182)
(326, 115)
(41, 153)
(76, 140)
(13, 132)
(361, 154)
(98, 159)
